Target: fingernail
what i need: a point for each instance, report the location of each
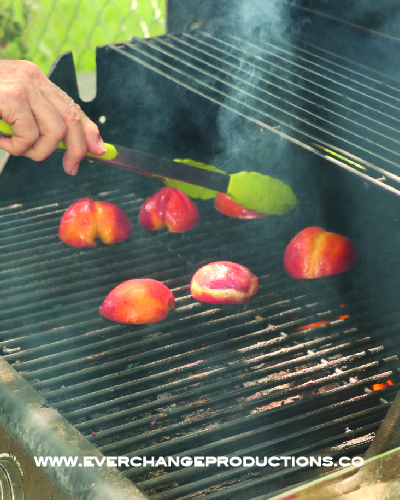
(101, 145)
(74, 169)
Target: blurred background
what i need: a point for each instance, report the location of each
(41, 30)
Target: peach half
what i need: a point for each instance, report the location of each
(226, 206)
(138, 302)
(85, 220)
(169, 208)
(224, 282)
(316, 253)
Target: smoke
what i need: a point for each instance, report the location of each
(263, 36)
(260, 18)
(246, 123)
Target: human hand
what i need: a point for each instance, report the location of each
(41, 115)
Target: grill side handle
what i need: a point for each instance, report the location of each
(388, 436)
(41, 430)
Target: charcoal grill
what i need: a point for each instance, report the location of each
(289, 374)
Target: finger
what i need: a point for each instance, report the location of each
(37, 126)
(94, 141)
(74, 140)
(25, 129)
(79, 127)
(51, 126)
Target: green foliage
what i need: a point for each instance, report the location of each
(41, 30)
(12, 24)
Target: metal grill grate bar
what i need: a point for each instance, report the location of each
(188, 481)
(297, 95)
(286, 84)
(286, 116)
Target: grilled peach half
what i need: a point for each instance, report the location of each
(224, 204)
(85, 220)
(224, 282)
(138, 302)
(316, 253)
(169, 208)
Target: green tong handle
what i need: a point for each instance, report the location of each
(110, 154)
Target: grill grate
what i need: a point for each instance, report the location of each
(333, 107)
(239, 380)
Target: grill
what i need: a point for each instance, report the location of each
(288, 374)
(209, 379)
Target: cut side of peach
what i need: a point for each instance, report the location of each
(224, 282)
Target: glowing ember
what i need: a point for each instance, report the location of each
(311, 325)
(319, 323)
(383, 385)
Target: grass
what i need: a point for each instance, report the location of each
(45, 29)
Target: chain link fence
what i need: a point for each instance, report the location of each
(41, 30)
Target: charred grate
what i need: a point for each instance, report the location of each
(336, 108)
(289, 374)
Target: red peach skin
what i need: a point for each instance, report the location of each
(85, 220)
(226, 206)
(113, 225)
(316, 253)
(170, 208)
(138, 302)
(224, 282)
(78, 224)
